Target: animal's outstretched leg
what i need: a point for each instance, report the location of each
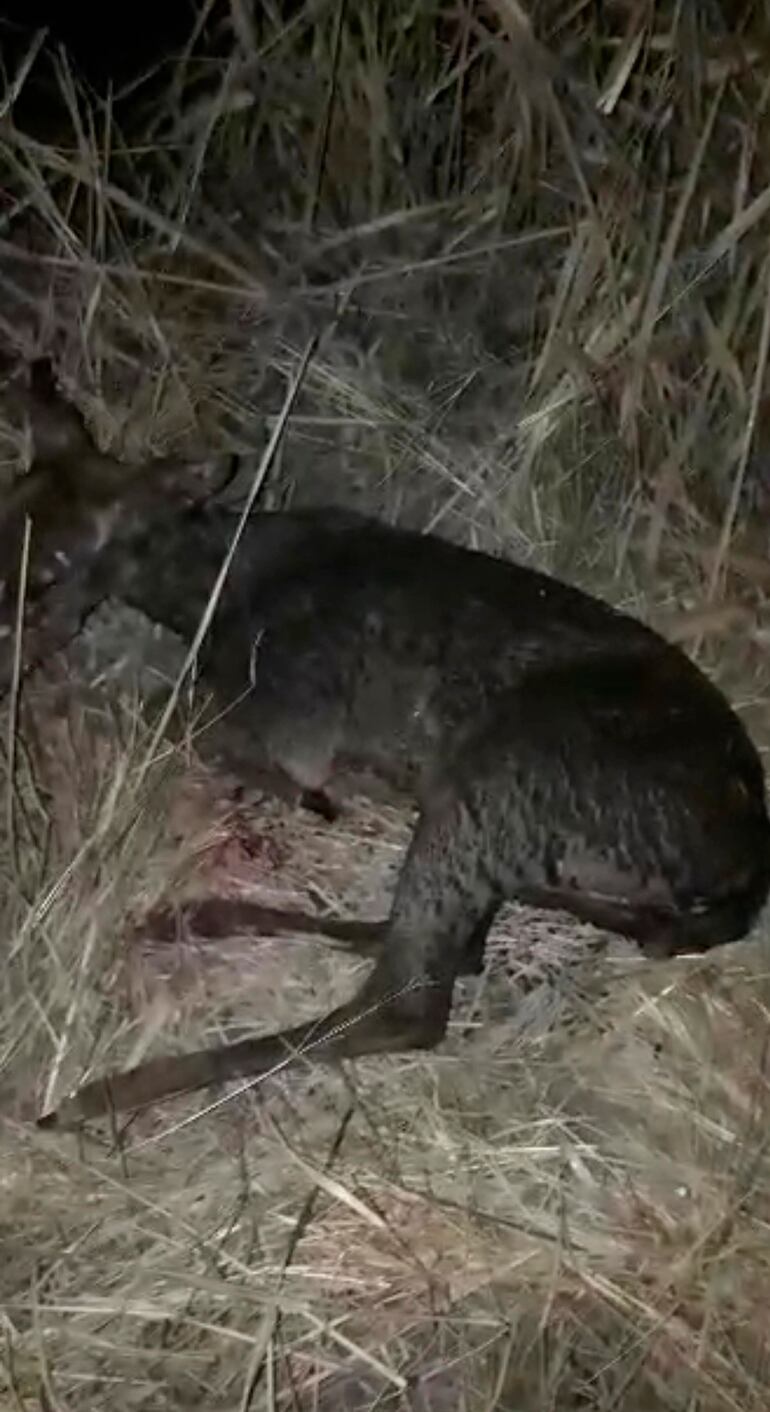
(216, 917)
(441, 902)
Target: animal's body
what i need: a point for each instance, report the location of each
(561, 753)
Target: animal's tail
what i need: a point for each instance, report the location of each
(733, 915)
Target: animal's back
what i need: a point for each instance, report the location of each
(418, 640)
(387, 643)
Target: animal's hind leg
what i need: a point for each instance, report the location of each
(442, 900)
(475, 952)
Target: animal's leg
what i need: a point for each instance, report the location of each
(215, 917)
(441, 900)
(475, 951)
(594, 794)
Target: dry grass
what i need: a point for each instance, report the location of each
(534, 242)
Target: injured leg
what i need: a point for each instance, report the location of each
(213, 918)
(441, 904)
(217, 917)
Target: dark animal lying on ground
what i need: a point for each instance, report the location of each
(561, 753)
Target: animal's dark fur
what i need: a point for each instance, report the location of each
(561, 753)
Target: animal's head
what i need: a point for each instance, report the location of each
(74, 500)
